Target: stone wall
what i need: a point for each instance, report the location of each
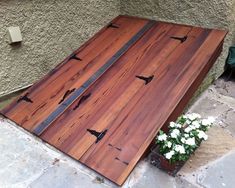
(210, 14)
(51, 31)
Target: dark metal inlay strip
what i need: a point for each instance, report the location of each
(78, 92)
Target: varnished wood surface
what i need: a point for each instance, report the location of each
(119, 102)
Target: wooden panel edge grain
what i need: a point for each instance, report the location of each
(181, 105)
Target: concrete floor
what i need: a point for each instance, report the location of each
(26, 161)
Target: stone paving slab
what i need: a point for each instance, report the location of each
(226, 88)
(220, 174)
(25, 161)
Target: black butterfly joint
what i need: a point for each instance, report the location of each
(74, 56)
(119, 149)
(67, 93)
(83, 98)
(181, 39)
(146, 79)
(124, 162)
(25, 98)
(98, 135)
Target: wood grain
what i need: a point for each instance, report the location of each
(130, 110)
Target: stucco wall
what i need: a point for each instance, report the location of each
(206, 13)
(51, 30)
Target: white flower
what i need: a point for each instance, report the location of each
(202, 134)
(187, 129)
(172, 124)
(190, 141)
(180, 149)
(162, 137)
(198, 116)
(192, 116)
(184, 116)
(183, 140)
(196, 124)
(186, 135)
(211, 119)
(192, 127)
(188, 122)
(175, 133)
(169, 144)
(169, 154)
(178, 125)
(206, 122)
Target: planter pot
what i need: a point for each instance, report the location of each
(162, 163)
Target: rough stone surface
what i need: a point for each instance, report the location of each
(226, 88)
(211, 14)
(51, 30)
(25, 161)
(220, 174)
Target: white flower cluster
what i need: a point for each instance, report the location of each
(180, 149)
(208, 122)
(175, 125)
(202, 135)
(184, 136)
(192, 116)
(162, 137)
(175, 133)
(169, 154)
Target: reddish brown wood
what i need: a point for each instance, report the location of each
(131, 111)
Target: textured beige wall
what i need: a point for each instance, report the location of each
(51, 30)
(206, 13)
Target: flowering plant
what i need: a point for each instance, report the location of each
(184, 137)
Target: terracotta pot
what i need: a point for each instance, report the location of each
(162, 163)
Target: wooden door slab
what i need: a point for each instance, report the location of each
(104, 104)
